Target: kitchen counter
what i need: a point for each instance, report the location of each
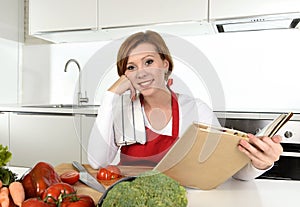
(93, 110)
(88, 110)
(256, 193)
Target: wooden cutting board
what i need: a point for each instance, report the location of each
(85, 190)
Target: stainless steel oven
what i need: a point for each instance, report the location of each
(288, 166)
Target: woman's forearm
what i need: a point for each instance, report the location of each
(101, 146)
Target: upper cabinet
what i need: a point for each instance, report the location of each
(91, 20)
(62, 15)
(11, 20)
(120, 13)
(220, 9)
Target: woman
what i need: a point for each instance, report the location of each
(144, 64)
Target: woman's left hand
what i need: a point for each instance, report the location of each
(262, 151)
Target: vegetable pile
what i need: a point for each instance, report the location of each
(151, 189)
(11, 191)
(45, 188)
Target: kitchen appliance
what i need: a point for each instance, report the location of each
(261, 22)
(288, 166)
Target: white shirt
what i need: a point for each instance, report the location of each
(102, 148)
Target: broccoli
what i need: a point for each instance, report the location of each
(147, 190)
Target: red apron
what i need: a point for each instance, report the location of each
(157, 145)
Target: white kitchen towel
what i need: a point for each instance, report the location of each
(129, 126)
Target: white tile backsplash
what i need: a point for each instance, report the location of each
(254, 71)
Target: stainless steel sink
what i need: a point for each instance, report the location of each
(69, 106)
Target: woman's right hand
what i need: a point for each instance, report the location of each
(122, 85)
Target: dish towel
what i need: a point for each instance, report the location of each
(129, 127)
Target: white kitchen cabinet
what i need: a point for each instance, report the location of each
(87, 124)
(4, 128)
(62, 15)
(44, 137)
(231, 8)
(120, 13)
(11, 20)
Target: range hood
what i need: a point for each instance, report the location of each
(256, 23)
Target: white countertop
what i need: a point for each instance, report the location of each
(94, 111)
(256, 193)
(30, 109)
(235, 193)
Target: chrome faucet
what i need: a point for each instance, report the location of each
(80, 99)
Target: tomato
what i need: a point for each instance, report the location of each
(114, 170)
(103, 174)
(78, 201)
(70, 177)
(52, 193)
(109, 173)
(35, 202)
(40, 177)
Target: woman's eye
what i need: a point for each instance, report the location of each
(130, 67)
(149, 62)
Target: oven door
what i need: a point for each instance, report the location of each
(288, 166)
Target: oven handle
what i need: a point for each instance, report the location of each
(291, 154)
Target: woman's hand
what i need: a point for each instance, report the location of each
(263, 151)
(122, 85)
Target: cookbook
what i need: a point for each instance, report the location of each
(205, 156)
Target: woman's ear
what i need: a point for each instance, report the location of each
(166, 64)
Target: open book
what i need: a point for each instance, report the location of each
(204, 157)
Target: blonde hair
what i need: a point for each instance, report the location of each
(136, 39)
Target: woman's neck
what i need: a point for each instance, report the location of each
(158, 108)
(161, 99)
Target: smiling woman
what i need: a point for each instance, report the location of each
(144, 64)
(146, 123)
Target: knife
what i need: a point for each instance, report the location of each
(87, 178)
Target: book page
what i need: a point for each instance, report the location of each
(272, 128)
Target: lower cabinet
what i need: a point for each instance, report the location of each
(4, 128)
(52, 138)
(87, 125)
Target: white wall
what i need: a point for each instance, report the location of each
(9, 54)
(250, 71)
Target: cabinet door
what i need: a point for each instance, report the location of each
(118, 13)
(87, 125)
(231, 8)
(44, 137)
(11, 20)
(4, 128)
(62, 15)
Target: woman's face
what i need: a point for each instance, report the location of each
(146, 70)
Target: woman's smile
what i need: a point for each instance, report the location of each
(146, 84)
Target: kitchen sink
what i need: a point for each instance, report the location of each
(69, 106)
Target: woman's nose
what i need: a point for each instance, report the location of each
(141, 73)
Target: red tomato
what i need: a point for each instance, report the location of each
(35, 202)
(103, 174)
(108, 173)
(70, 177)
(78, 201)
(52, 193)
(114, 170)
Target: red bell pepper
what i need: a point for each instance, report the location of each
(40, 177)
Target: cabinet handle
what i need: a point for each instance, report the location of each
(43, 114)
